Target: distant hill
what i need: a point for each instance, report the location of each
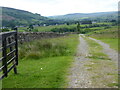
(20, 17)
(15, 17)
(81, 16)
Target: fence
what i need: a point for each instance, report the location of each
(9, 53)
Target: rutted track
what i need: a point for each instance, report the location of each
(80, 77)
(113, 55)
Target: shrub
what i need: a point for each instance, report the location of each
(5, 30)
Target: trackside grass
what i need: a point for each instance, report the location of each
(109, 36)
(43, 64)
(102, 68)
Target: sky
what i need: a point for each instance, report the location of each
(61, 7)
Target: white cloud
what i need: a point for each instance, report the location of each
(59, 7)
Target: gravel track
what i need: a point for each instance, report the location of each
(112, 54)
(80, 77)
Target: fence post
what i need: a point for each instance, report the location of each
(4, 54)
(16, 46)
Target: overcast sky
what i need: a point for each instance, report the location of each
(61, 7)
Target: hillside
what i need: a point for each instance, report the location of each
(15, 17)
(21, 17)
(93, 16)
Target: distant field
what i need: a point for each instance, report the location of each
(43, 64)
(84, 27)
(48, 28)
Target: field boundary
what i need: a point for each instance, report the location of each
(30, 36)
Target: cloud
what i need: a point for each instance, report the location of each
(59, 7)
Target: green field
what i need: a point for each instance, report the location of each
(48, 70)
(45, 63)
(85, 28)
(48, 28)
(109, 36)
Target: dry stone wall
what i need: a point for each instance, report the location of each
(30, 36)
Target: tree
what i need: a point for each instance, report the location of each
(31, 27)
(78, 27)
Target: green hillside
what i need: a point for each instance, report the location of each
(17, 17)
(93, 16)
(14, 17)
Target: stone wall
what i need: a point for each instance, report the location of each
(30, 36)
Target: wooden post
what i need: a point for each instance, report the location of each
(4, 54)
(16, 46)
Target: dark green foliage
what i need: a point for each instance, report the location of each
(78, 27)
(5, 30)
(35, 30)
(31, 27)
(64, 29)
(86, 22)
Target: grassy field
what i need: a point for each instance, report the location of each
(89, 27)
(43, 64)
(48, 28)
(109, 36)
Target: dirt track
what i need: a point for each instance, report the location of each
(80, 77)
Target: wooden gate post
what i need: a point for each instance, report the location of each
(4, 54)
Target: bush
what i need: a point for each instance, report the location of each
(64, 29)
(35, 30)
(5, 30)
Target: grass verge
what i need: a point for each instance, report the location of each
(109, 36)
(95, 51)
(45, 71)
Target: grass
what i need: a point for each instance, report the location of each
(71, 26)
(49, 47)
(95, 51)
(48, 28)
(113, 42)
(41, 73)
(100, 66)
(109, 36)
(46, 71)
(113, 84)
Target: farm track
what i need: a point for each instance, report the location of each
(112, 54)
(80, 77)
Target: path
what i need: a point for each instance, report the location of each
(80, 77)
(112, 54)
